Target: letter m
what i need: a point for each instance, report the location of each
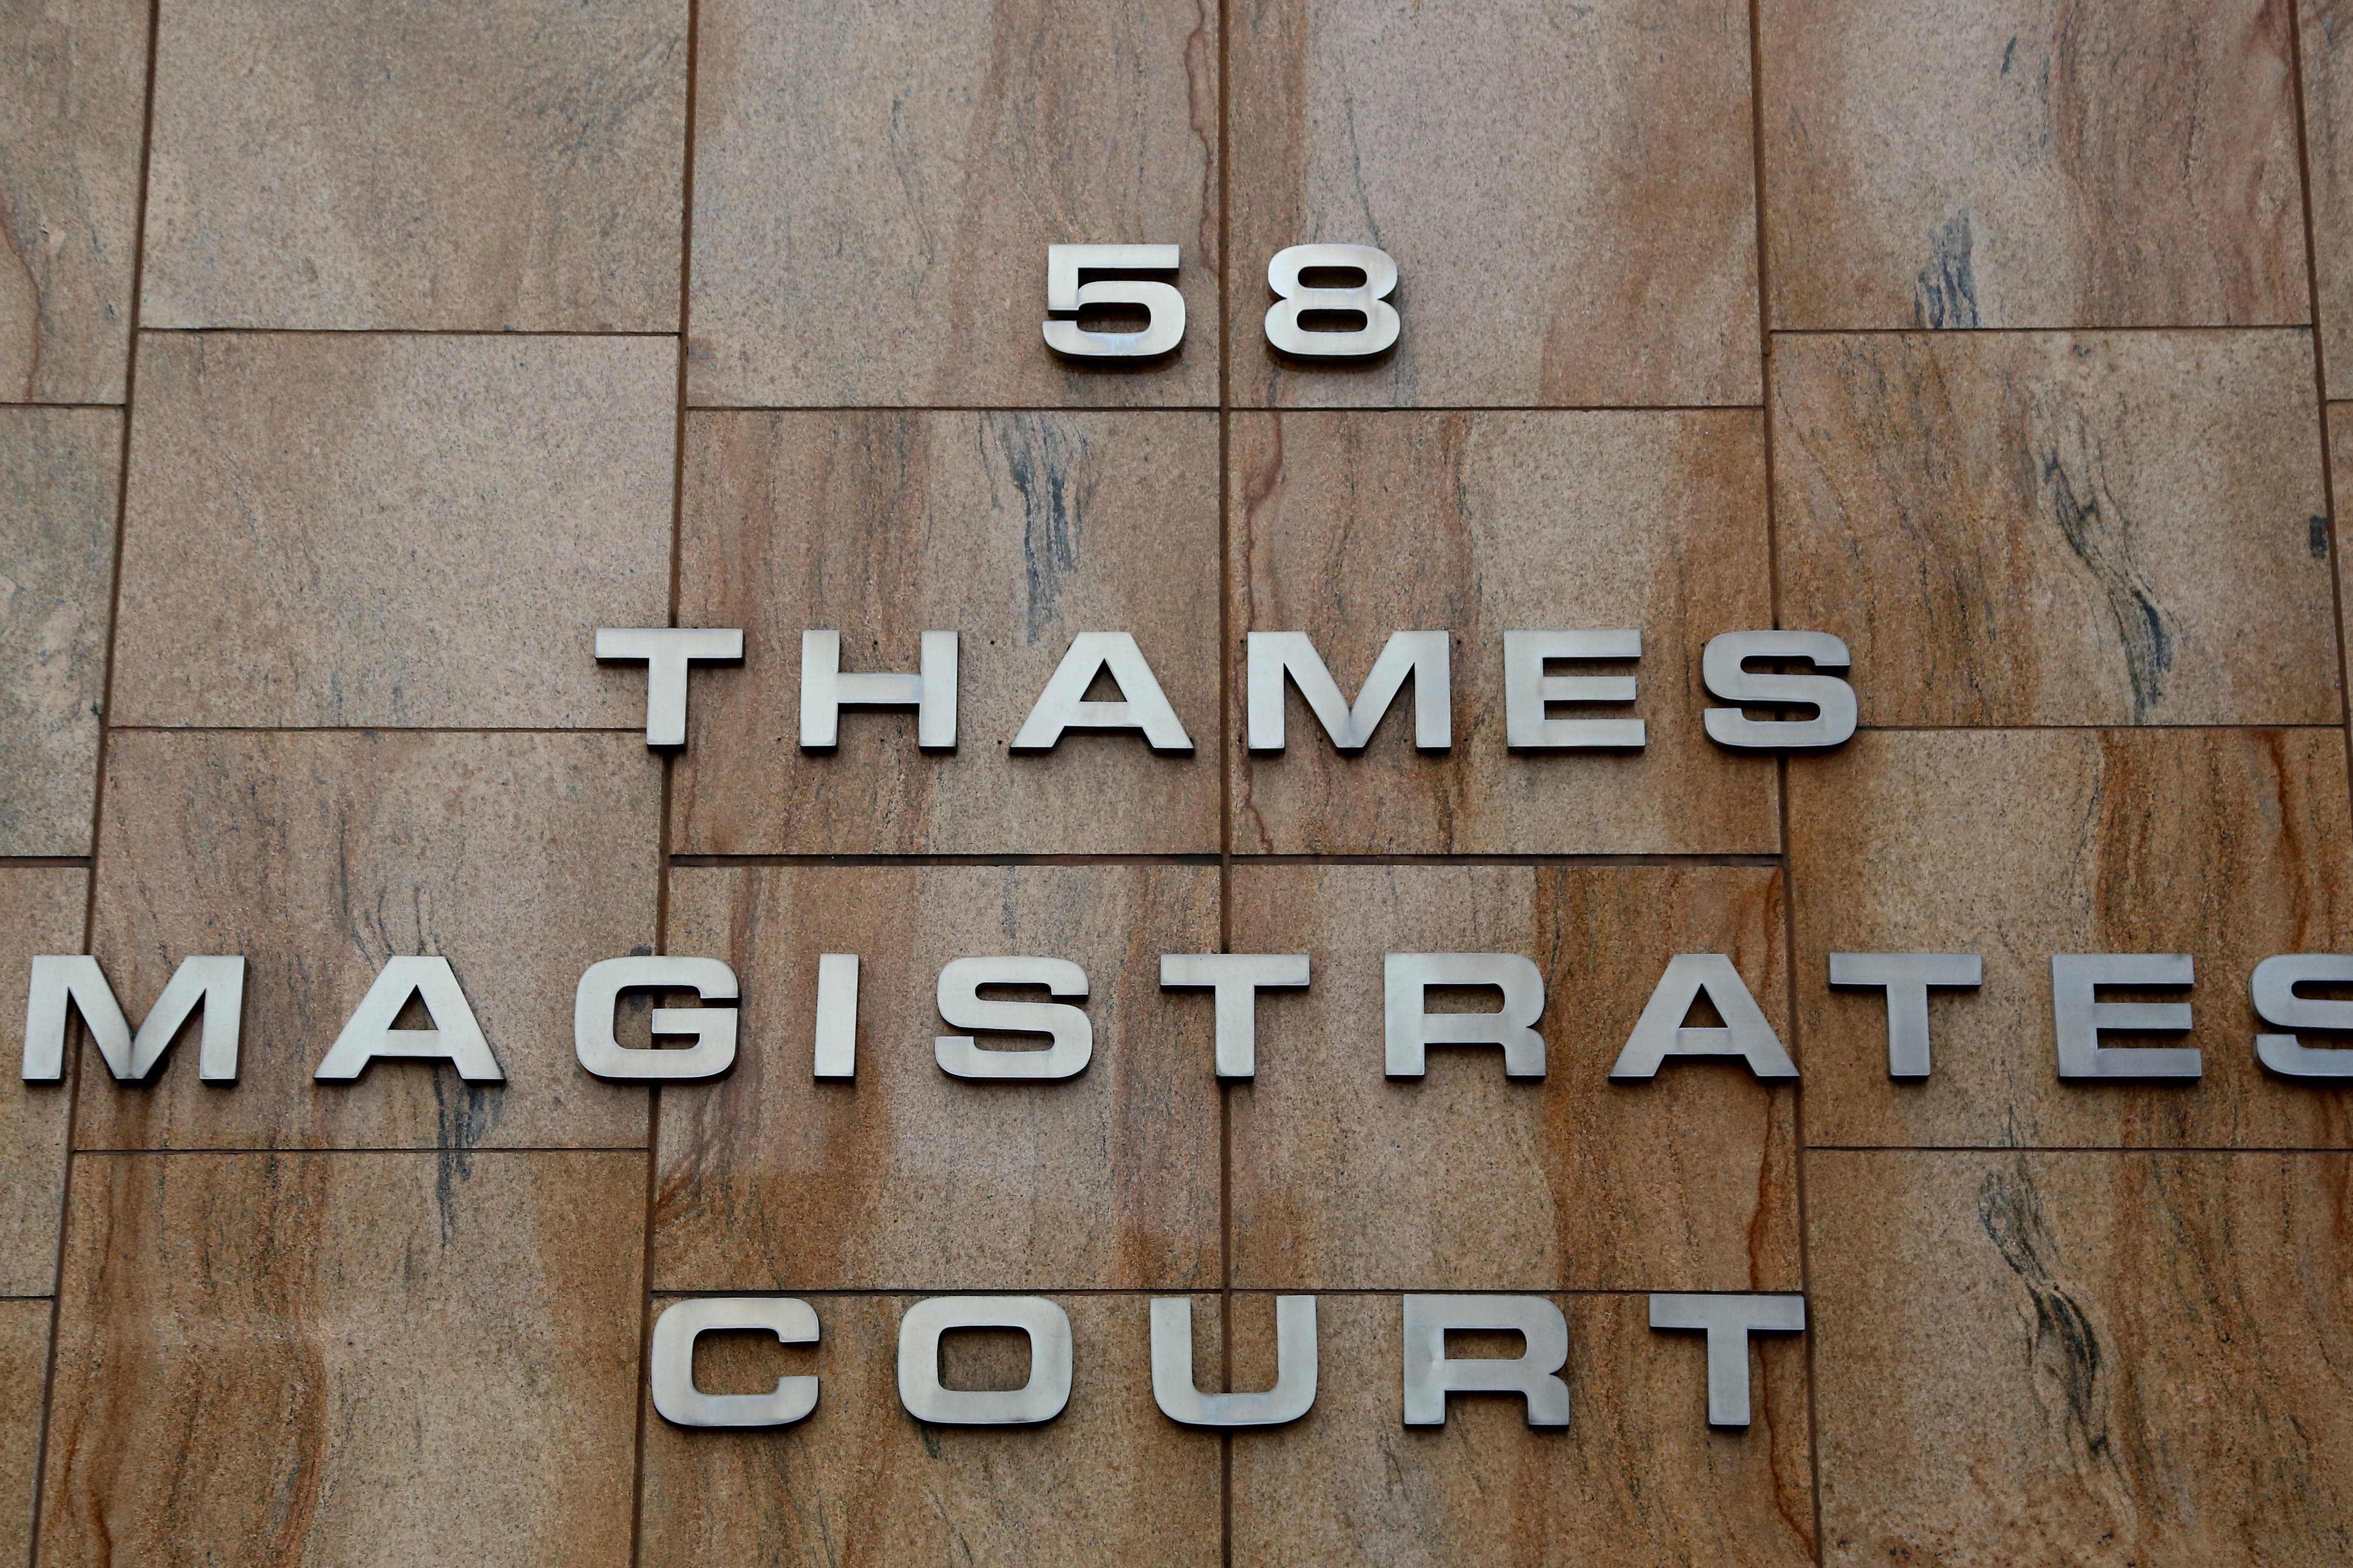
(215, 984)
(1421, 655)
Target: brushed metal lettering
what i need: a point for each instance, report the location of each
(2272, 989)
(837, 1015)
(1659, 1034)
(1173, 1388)
(1063, 705)
(1427, 657)
(1728, 1320)
(455, 1036)
(1067, 295)
(2078, 1017)
(215, 983)
(1235, 979)
(825, 691)
(1429, 1376)
(1040, 1399)
(962, 1005)
(667, 652)
(1906, 977)
(1408, 1027)
(1723, 666)
(1369, 299)
(713, 1028)
(680, 1403)
(1528, 691)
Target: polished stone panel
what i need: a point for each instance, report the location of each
(41, 910)
(440, 164)
(2227, 844)
(59, 474)
(73, 76)
(2061, 529)
(521, 859)
(392, 531)
(1567, 193)
(2082, 1358)
(362, 1359)
(1463, 1180)
(2030, 163)
(2339, 417)
(1017, 531)
(1110, 1480)
(24, 1372)
(876, 185)
(908, 1177)
(1638, 1477)
(2325, 37)
(1351, 526)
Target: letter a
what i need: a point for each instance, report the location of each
(454, 1038)
(1660, 1033)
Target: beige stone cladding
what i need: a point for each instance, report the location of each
(361, 364)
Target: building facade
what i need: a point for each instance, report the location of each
(363, 364)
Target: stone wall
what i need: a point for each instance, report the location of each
(360, 360)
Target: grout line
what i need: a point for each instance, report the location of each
(846, 1292)
(381, 729)
(1225, 864)
(2073, 1149)
(2080, 331)
(46, 862)
(398, 332)
(62, 408)
(98, 777)
(723, 861)
(1781, 761)
(670, 756)
(1221, 408)
(2148, 728)
(2320, 382)
(282, 1151)
(1226, 1091)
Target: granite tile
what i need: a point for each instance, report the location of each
(1682, 1183)
(909, 1178)
(2325, 37)
(1638, 1477)
(1350, 526)
(59, 475)
(71, 92)
(1017, 531)
(1110, 1480)
(41, 910)
(521, 859)
(875, 187)
(2227, 844)
(24, 1372)
(1567, 193)
(393, 530)
(2338, 420)
(363, 1359)
(2030, 163)
(2061, 529)
(2082, 1358)
(436, 165)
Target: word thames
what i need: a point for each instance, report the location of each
(1530, 688)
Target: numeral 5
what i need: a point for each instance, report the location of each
(1065, 293)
